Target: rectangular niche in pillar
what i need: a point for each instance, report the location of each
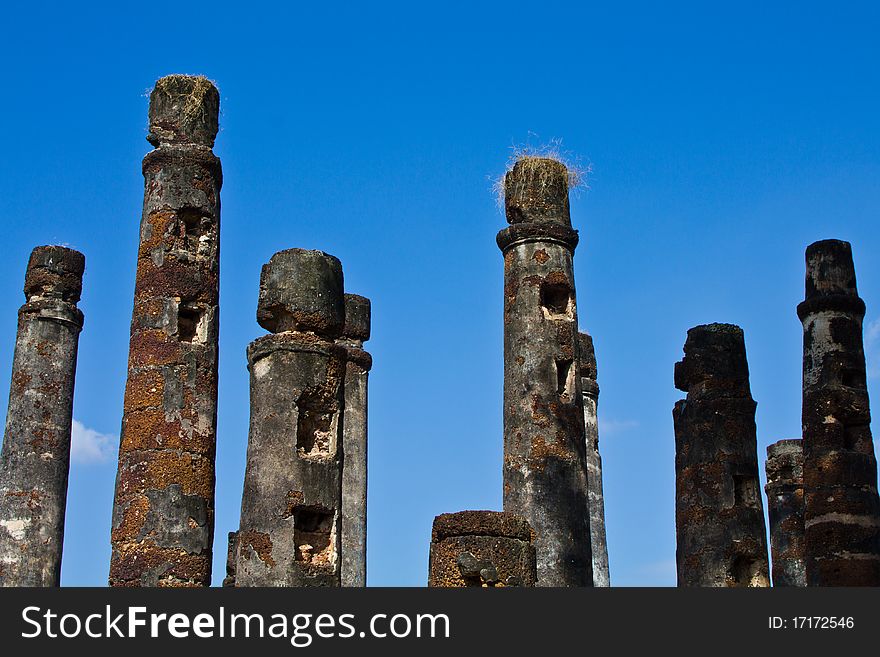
(315, 432)
(556, 301)
(191, 323)
(314, 536)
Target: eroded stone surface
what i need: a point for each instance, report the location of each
(719, 518)
(785, 507)
(481, 549)
(35, 459)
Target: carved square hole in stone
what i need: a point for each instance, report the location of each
(745, 571)
(191, 226)
(191, 323)
(315, 431)
(853, 378)
(564, 377)
(556, 300)
(314, 536)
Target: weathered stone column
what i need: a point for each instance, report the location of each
(545, 462)
(719, 517)
(35, 460)
(590, 391)
(290, 510)
(785, 506)
(354, 441)
(163, 514)
(482, 549)
(841, 506)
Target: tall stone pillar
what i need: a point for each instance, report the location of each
(163, 513)
(545, 462)
(481, 549)
(719, 517)
(841, 506)
(590, 391)
(785, 506)
(35, 459)
(290, 510)
(354, 441)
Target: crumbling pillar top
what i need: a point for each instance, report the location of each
(302, 290)
(536, 191)
(184, 109)
(480, 523)
(830, 269)
(714, 361)
(357, 318)
(54, 272)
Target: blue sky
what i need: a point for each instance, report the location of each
(723, 137)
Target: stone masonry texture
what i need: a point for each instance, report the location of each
(590, 391)
(163, 514)
(354, 441)
(291, 506)
(785, 507)
(545, 461)
(719, 518)
(35, 459)
(841, 505)
(481, 549)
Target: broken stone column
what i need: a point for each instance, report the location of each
(590, 391)
(545, 462)
(785, 506)
(290, 510)
(354, 441)
(481, 549)
(841, 505)
(35, 459)
(719, 517)
(163, 513)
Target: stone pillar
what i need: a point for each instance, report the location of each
(290, 511)
(841, 506)
(354, 441)
(35, 459)
(590, 391)
(545, 462)
(481, 548)
(785, 506)
(163, 513)
(718, 512)
(231, 556)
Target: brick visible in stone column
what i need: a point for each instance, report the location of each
(35, 459)
(590, 391)
(545, 462)
(841, 505)
(481, 549)
(290, 510)
(719, 516)
(354, 441)
(163, 514)
(785, 506)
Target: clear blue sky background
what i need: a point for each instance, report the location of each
(724, 137)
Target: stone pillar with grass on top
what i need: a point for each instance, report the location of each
(545, 461)
(163, 512)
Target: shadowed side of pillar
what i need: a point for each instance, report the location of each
(481, 549)
(719, 518)
(841, 504)
(35, 459)
(354, 441)
(785, 507)
(545, 461)
(291, 506)
(163, 513)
